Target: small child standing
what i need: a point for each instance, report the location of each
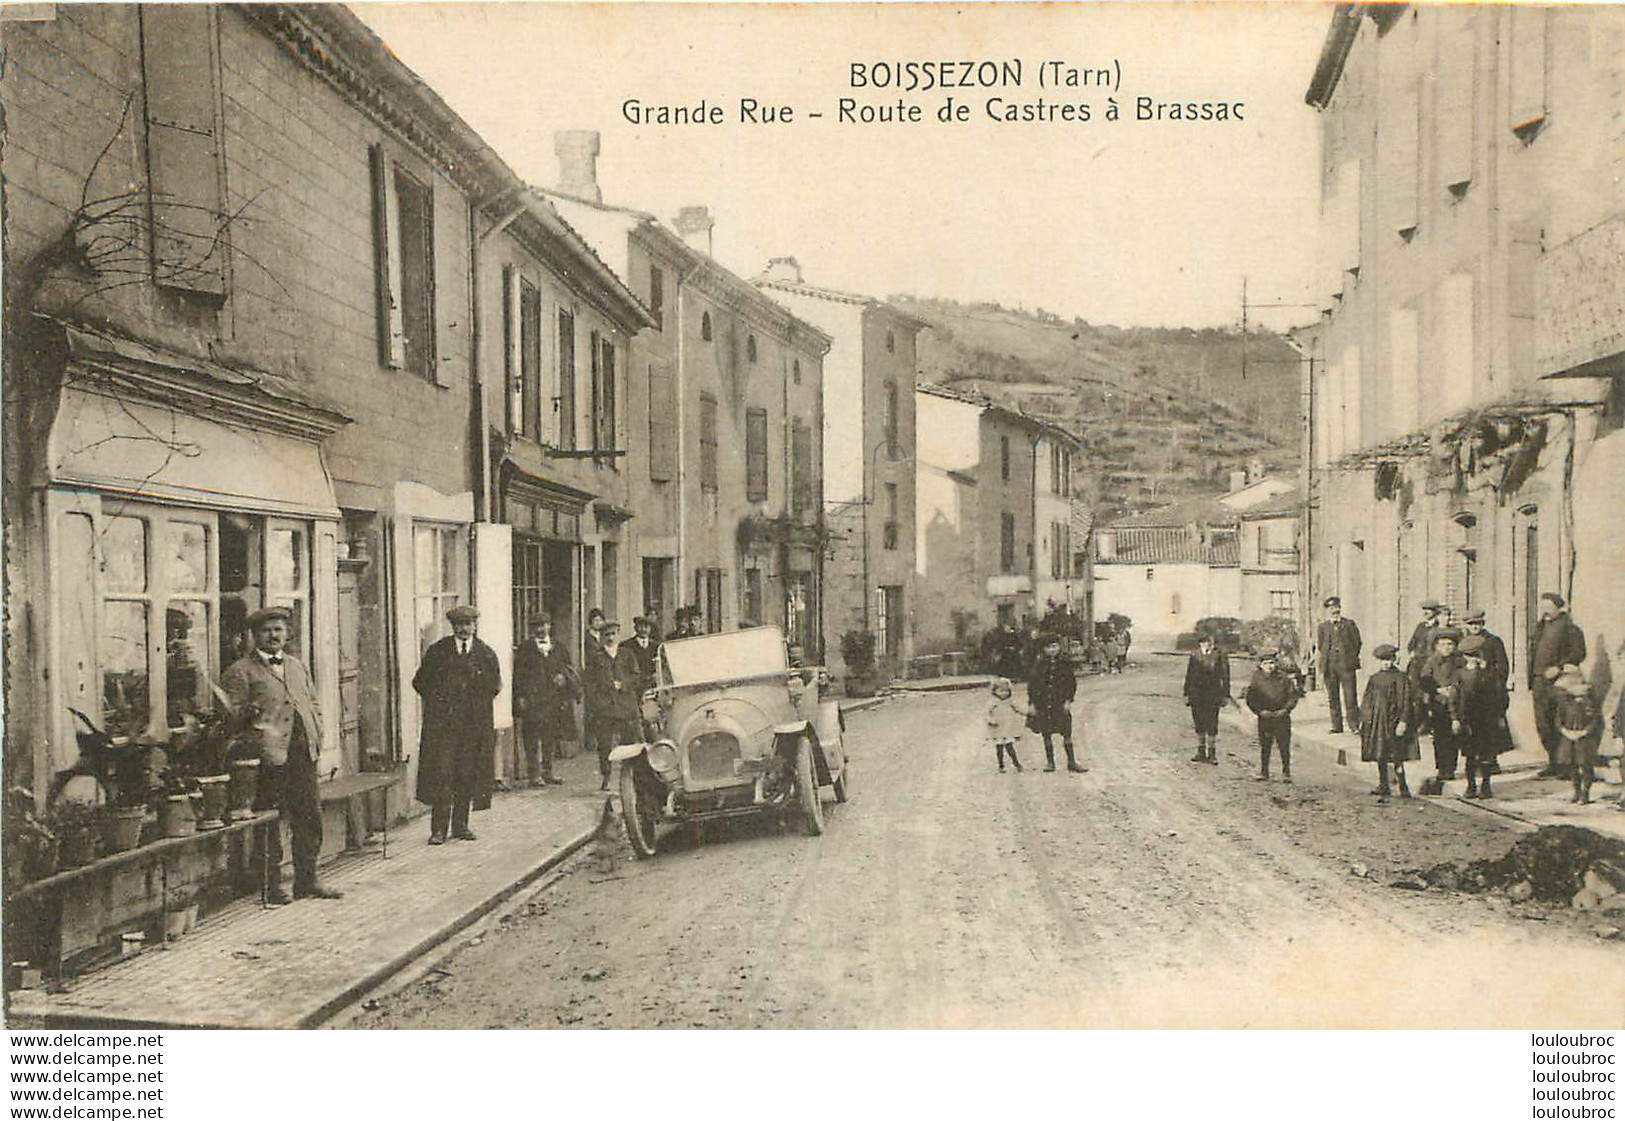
(1005, 722)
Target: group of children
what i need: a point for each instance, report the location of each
(1271, 695)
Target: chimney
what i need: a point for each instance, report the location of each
(694, 227)
(1238, 479)
(577, 150)
(1255, 470)
(787, 269)
(1106, 544)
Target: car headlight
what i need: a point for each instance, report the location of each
(662, 755)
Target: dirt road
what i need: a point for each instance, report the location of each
(1149, 892)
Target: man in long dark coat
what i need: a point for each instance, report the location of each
(1050, 688)
(544, 692)
(1387, 725)
(1337, 641)
(458, 679)
(1556, 645)
(608, 679)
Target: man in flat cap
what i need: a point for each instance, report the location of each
(458, 679)
(1421, 643)
(1337, 645)
(273, 689)
(1557, 644)
(1493, 651)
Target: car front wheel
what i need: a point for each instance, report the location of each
(637, 811)
(812, 809)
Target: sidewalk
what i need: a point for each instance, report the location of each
(1518, 793)
(246, 966)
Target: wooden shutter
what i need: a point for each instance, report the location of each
(596, 393)
(513, 393)
(756, 455)
(607, 377)
(183, 147)
(662, 424)
(800, 469)
(385, 221)
(567, 379)
(530, 358)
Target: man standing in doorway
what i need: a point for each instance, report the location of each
(458, 679)
(287, 731)
(544, 689)
(1338, 645)
(1557, 644)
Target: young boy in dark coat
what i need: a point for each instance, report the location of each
(1579, 723)
(1050, 689)
(1207, 687)
(1272, 695)
(1387, 733)
(1480, 705)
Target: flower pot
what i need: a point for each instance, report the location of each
(212, 793)
(121, 829)
(245, 777)
(78, 846)
(177, 816)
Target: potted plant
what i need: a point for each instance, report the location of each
(858, 652)
(75, 826)
(30, 845)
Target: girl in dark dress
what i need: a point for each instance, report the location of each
(1480, 704)
(1207, 687)
(1387, 729)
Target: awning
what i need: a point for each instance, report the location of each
(164, 453)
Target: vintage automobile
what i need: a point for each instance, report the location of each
(735, 730)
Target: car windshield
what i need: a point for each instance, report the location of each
(719, 657)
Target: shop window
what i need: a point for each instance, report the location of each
(439, 579)
(175, 588)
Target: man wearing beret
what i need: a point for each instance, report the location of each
(273, 689)
(1337, 642)
(1556, 645)
(458, 679)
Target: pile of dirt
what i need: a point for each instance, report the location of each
(1553, 861)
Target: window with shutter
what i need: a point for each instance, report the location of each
(891, 420)
(1007, 542)
(530, 358)
(657, 296)
(605, 428)
(403, 229)
(512, 378)
(800, 470)
(566, 402)
(180, 67)
(756, 455)
(708, 442)
(662, 424)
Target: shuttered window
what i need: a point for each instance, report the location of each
(183, 147)
(566, 403)
(657, 297)
(800, 470)
(756, 455)
(708, 442)
(662, 423)
(1007, 542)
(403, 233)
(604, 422)
(522, 330)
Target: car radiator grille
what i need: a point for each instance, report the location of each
(711, 756)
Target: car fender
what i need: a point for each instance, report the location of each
(790, 733)
(627, 751)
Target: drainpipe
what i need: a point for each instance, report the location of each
(482, 445)
(681, 575)
(1032, 537)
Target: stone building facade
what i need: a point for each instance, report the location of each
(1465, 382)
